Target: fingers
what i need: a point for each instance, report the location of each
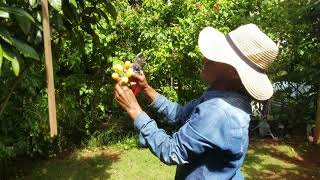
(121, 91)
(120, 102)
(120, 96)
(139, 76)
(118, 88)
(117, 95)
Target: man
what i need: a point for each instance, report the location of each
(213, 138)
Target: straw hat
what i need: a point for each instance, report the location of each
(248, 50)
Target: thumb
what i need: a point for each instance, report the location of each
(138, 75)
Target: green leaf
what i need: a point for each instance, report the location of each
(24, 24)
(17, 11)
(5, 11)
(74, 3)
(4, 14)
(115, 62)
(9, 55)
(38, 38)
(15, 66)
(32, 2)
(24, 48)
(56, 4)
(111, 10)
(101, 13)
(282, 73)
(13, 58)
(1, 58)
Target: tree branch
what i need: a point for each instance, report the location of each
(4, 104)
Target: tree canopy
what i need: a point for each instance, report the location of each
(87, 36)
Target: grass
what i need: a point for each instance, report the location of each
(265, 160)
(282, 161)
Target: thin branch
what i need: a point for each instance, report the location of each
(4, 104)
(296, 88)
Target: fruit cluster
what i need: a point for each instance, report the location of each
(123, 71)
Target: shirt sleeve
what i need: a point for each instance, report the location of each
(174, 113)
(204, 130)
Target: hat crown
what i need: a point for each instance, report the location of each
(256, 46)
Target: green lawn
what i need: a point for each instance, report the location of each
(282, 161)
(265, 160)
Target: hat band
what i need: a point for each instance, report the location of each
(242, 56)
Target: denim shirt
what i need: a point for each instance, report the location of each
(213, 138)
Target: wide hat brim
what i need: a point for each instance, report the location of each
(214, 46)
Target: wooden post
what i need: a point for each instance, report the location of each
(49, 69)
(316, 138)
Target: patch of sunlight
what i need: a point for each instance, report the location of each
(288, 150)
(140, 164)
(266, 163)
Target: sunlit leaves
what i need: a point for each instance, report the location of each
(4, 14)
(116, 62)
(13, 58)
(32, 2)
(74, 3)
(56, 4)
(110, 9)
(15, 66)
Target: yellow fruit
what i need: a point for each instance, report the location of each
(127, 64)
(129, 72)
(118, 68)
(115, 76)
(125, 80)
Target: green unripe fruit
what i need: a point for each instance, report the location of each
(115, 76)
(127, 64)
(129, 72)
(125, 80)
(118, 68)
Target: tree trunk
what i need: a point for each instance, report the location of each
(316, 139)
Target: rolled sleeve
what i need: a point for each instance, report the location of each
(159, 100)
(174, 113)
(155, 100)
(171, 110)
(141, 120)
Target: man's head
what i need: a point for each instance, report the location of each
(248, 50)
(214, 73)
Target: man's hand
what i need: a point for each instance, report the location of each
(125, 97)
(140, 78)
(145, 89)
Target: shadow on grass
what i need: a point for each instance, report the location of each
(78, 167)
(268, 162)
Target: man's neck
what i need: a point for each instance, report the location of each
(224, 85)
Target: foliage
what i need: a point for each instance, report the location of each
(88, 36)
(296, 70)
(24, 123)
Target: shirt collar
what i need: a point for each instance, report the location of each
(233, 98)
